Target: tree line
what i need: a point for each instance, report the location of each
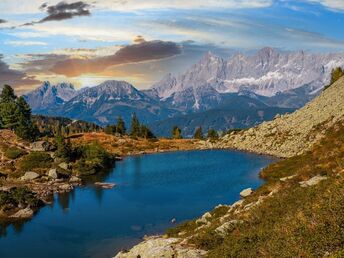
(137, 129)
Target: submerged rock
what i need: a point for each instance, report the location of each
(105, 185)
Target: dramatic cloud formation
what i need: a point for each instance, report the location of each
(141, 52)
(17, 79)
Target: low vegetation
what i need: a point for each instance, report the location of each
(18, 197)
(35, 161)
(14, 153)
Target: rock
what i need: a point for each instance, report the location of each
(64, 166)
(105, 185)
(75, 179)
(30, 176)
(227, 226)
(66, 187)
(246, 192)
(237, 203)
(204, 218)
(40, 146)
(52, 173)
(23, 214)
(313, 181)
(284, 179)
(155, 247)
(173, 221)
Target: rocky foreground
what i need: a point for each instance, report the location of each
(292, 134)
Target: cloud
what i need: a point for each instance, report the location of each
(76, 62)
(332, 4)
(2, 21)
(141, 52)
(25, 43)
(63, 11)
(32, 6)
(19, 80)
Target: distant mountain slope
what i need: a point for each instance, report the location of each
(294, 133)
(102, 104)
(48, 96)
(235, 111)
(267, 73)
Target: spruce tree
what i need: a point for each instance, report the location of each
(120, 128)
(8, 108)
(146, 133)
(176, 133)
(198, 133)
(212, 135)
(135, 126)
(7, 95)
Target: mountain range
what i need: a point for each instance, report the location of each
(218, 93)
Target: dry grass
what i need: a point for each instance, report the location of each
(124, 146)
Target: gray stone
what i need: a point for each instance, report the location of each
(23, 214)
(246, 192)
(52, 173)
(75, 179)
(227, 226)
(30, 176)
(313, 181)
(64, 165)
(40, 146)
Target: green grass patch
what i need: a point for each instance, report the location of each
(35, 161)
(14, 153)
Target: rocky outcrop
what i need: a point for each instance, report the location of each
(295, 133)
(313, 181)
(23, 214)
(156, 247)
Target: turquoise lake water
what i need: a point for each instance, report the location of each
(151, 191)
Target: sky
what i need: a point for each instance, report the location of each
(139, 41)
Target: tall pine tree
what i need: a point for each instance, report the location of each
(135, 126)
(120, 128)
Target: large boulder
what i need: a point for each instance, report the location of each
(41, 146)
(30, 176)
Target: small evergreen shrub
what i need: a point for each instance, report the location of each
(14, 153)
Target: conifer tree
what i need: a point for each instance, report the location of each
(120, 128)
(212, 134)
(176, 133)
(198, 133)
(135, 126)
(146, 133)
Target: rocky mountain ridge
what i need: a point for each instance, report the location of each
(48, 95)
(267, 73)
(292, 134)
